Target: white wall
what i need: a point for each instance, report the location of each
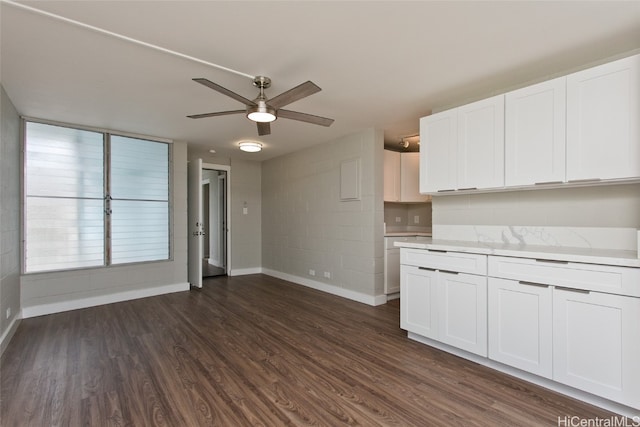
(45, 293)
(9, 218)
(306, 227)
(246, 230)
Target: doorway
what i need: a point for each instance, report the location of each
(214, 221)
(215, 227)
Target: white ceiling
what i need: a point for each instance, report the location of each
(381, 64)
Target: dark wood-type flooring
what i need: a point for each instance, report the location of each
(253, 350)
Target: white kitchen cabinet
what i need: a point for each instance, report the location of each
(410, 178)
(443, 304)
(462, 311)
(418, 301)
(595, 344)
(438, 152)
(603, 121)
(520, 326)
(402, 177)
(463, 148)
(391, 176)
(481, 144)
(535, 134)
(391, 270)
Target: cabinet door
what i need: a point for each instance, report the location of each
(392, 271)
(462, 307)
(481, 144)
(595, 344)
(391, 176)
(603, 125)
(418, 301)
(410, 178)
(438, 152)
(520, 327)
(535, 141)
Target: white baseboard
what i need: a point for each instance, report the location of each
(244, 271)
(8, 334)
(633, 414)
(57, 307)
(330, 289)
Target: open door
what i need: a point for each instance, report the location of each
(196, 232)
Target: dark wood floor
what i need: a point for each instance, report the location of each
(253, 350)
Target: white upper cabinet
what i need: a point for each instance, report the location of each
(391, 176)
(410, 178)
(603, 111)
(402, 177)
(535, 142)
(438, 152)
(463, 148)
(574, 129)
(481, 144)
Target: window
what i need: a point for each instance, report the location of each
(93, 199)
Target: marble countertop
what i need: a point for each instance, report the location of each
(622, 258)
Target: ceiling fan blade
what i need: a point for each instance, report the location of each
(264, 128)
(219, 113)
(304, 117)
(225, 91)
(301, 91)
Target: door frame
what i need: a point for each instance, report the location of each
(227, 169)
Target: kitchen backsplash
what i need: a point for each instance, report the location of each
(409, 217)
(605, 217)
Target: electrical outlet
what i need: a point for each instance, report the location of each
(8, 312)
(398, 219)
(327, 275)
(312, 272)
(416, 219)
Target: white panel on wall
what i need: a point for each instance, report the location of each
(350, 179)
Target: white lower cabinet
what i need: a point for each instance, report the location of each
(573, 323)
(462, 311)
(596, 343)
(520, 325)
(446, 306)
(418, 301)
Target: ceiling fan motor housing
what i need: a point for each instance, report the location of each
(261, 82)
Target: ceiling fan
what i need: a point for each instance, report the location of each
(263, 110)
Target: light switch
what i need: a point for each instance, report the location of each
(245, 210)
(398, 219)
(416, 219)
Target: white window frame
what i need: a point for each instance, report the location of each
(106, 134)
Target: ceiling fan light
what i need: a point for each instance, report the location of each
(261, 113)
(262, 117)
(250, 146)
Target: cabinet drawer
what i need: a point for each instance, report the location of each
(443, 260)
(592, 277)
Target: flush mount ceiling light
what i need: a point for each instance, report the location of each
(250, 146)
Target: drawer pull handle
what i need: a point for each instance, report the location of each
(578, 291)
(437, 250)
(427, 268)
(548, 183)
(552, 261)
(539, 285)
(448, 271)
(468, 188)
(444, 191)
(577, 181)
